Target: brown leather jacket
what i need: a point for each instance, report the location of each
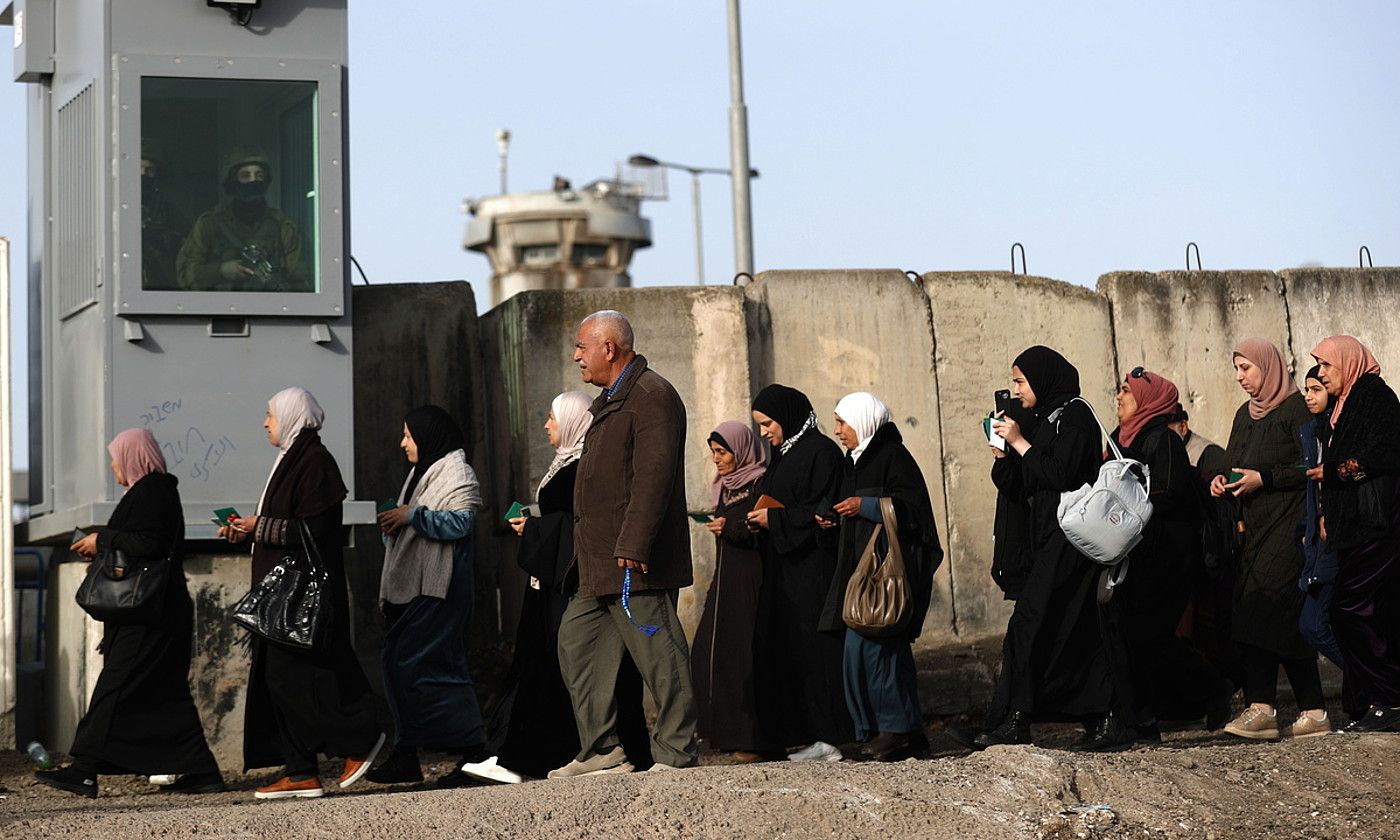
(629, 498)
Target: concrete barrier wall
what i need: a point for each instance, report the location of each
(828, 333)
(981, 322)
(1186, 325)
(1348, 301)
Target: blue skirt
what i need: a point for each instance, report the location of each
(427, 679)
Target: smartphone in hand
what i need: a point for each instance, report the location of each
(78, 536)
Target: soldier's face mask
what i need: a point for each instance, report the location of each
(249, 190)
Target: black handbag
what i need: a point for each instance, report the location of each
(288, 606)
(137, 596)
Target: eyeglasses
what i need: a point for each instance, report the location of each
(1140, 372)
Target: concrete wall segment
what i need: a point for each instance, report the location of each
(829, 333)
(982, 321)
(1186, 324)
(1364, 303)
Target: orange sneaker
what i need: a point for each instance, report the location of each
(285, 788)
(356, 768)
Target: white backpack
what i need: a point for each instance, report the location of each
(1105, 520)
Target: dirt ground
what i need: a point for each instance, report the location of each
(1195, 785)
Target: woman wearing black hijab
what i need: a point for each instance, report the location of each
(425, 592)
(1061, 653)
(798, 683)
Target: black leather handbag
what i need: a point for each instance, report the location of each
(288, 606)
(118, 591)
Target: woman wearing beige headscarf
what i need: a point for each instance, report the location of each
(1267, 479)
(141, 718)
(303, 703)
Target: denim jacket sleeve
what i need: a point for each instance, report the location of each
(445, 525)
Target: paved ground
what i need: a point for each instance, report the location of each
(1193, 786)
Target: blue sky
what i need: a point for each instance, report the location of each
(915, 135)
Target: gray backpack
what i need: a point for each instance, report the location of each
(1105, 520)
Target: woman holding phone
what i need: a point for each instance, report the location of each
(1266, 477)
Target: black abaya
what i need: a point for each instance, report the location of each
(532, 728)
(141, 718)
(800, 694)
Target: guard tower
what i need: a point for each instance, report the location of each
(187, 241)
(560, 238)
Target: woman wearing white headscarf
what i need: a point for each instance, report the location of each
(531, 729)
(878, 673)
(302, 703)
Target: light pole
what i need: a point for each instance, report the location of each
(739, 149)
(695, 173)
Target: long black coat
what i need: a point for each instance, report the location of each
(1171, 680)
(1062, 659)
(141, 718)
(721, 661)
(887, 469)
(304, 702)
(1362, 467)
(1267, 600)
(798, 667)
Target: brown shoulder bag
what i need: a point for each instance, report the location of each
(878, 602)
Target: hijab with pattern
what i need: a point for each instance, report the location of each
(1276, 386)
(865, 414)
(749, 460)
(436, 434)
(572, 418)
(293, 409)
(1156, 395)
(136, 454)
(790, 409)
(1053, 379)
(1349, 356)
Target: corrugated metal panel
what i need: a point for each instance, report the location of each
(77, 258)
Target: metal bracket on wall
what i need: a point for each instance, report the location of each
(321, 333)
(132, 330)
(1364, 257)
(1189, 246)
(1014, 246)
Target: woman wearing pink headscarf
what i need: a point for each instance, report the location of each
(721, 662)
(142, 719)
(1171, 680)
(1266, 457)
(1360, 474)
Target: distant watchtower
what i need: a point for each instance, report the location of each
(561, 238)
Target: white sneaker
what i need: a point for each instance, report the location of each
(163, 780)
(492, 771)
(819, 751)
(658, 767)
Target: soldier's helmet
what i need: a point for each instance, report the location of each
(240, 156)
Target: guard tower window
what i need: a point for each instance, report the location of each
(229, 198)
(539, 254)
(590, 255)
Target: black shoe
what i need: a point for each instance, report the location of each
(854, 751)
(1015, 729)
(888, 746)
(1148, 733)
(1219, 712)
(196, 783)
(1379, 719)
(70, 779)
(400, 768)
(456, 779)
(1109, 735)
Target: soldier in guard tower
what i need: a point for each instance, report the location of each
(243, 244)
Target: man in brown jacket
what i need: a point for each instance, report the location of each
(629, 524)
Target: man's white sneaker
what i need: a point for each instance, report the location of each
(819, 751)
(163, 780)
(492, 771)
